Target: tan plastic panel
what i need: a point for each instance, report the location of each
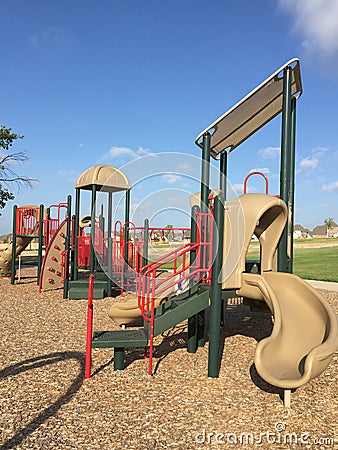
(259, 214)
(6, 255)
(107, 178)
(252, 112)
(52, 265)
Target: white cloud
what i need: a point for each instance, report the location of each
(51, 35)
(317, 23)
(309, 163)
(116, 152)
(269, 152)
(330, 187)
(171, 178)
(119, 152)
(264, 170)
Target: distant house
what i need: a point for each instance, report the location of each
(333, 232)
(299, 232)
(321, 230)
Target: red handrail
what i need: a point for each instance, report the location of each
(149, 287)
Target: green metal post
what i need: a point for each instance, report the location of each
(110, 244)
(216, 288)
(126, 228)
(205, 178)
(72, 259)
(92, 250)
(193, 320)
(13, 269)
(76, 234)
(283, 260)
(223, 187)
(145, 255)
(205, 175)
(68, 246)
(40, 242)
(292, 180)
(223, 173)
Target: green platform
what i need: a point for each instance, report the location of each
(78, 290)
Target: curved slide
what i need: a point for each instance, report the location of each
(305, 331)
(6, 255)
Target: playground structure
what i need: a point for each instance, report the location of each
(30, 222)
(305, 332)
(212, 267)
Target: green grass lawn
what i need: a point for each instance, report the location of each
(311, 263)
(316, 263)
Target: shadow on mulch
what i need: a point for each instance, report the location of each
(31, 364)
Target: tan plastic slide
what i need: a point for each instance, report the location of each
(6, 255)
(126, 312)
(305, 332)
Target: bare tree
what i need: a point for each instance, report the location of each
(8, 176)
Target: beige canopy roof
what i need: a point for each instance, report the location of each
(252, 112)
(107, 178)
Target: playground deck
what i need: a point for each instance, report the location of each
(45, 403)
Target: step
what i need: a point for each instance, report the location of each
(82, 293)
(84, 284)
(179, 309)
(78, 289)
(120, 339)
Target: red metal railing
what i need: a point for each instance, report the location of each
(27, 220)
(185, 271)
(256, 173)
(89, 327)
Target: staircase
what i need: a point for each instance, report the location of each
(192, 269)
(166, 316)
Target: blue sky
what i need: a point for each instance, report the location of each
(89, 82)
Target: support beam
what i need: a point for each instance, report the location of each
(110, 243)
(205, 179)
(92, 242)
(216, 288)
(283, 258)
(292, 181)
(75, 274)
(67, 246)
(223, 166)
(13, 265)
(41, 224)
(192, 321)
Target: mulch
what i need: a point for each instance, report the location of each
(46, 404)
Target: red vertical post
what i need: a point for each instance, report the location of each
(89, 327)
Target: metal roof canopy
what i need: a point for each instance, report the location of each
(251, 113)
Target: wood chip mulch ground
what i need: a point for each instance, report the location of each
(46, 404)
